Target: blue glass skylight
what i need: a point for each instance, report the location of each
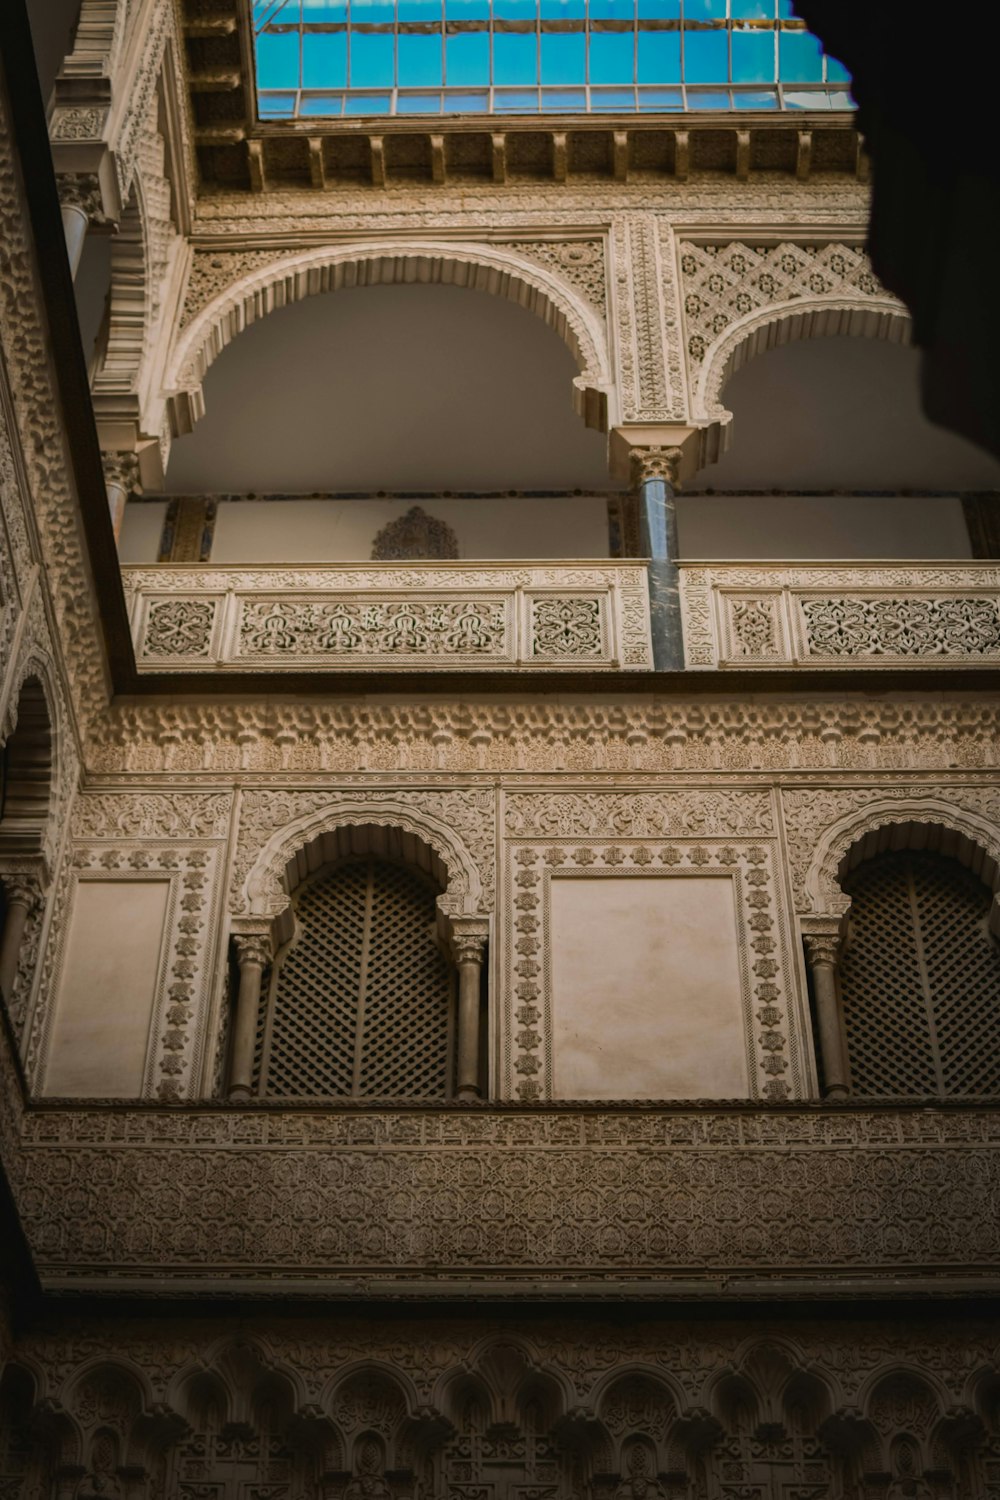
(331, 58)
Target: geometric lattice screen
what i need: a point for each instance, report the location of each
(362, 1003)
(920, 979)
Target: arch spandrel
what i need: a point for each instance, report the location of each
(290, 279)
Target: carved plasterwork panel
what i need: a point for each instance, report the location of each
(387, 1407)
(39, 440)
(604, 835)
(391, 615)
(650, 365)
(818, 615)
(581, 735)
(364, 1201)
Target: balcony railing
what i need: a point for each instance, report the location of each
(871, 614)
(411, 616)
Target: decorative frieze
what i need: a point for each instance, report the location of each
(402, 616)
(822, 615)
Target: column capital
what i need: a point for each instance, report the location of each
(823, 948)
(467, 937)
(662, 450)
(121, 468)
(655, 463)
(82, 190)
(253, 942)
(21, 890)
(468, 947)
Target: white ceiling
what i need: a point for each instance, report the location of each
(439, 388)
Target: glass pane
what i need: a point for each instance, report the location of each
(518, 101)
(562, 10)
(704, 10)
(659, 10)
(751, 10)
(278, 60)
(324, 60)
(323, 104)
(468, 57)
(706, 57)
(515, 58)
(661, 99)
(801, 57)
(418, 104)
(371, 60)
(419, 61)
(659, 57)
(708, 99)
(612, 99)
(368, 104)
(567, 99)
(466, 103)
(754, 59)
(755, 98)
(612, 57)
(564, 57)
(467, 10)
(612, 10)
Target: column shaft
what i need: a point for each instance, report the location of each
(468, 1028)
(658, 540)
(245, 1029)
(75, 224)
(18, 906)
(821, 953)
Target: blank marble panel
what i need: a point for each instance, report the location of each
(646, 992)
(110, 975)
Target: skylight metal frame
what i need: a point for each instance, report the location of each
(348, 99)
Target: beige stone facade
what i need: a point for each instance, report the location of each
(650, 1240)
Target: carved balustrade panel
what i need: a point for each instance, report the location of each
(593, 615)
(824, 615)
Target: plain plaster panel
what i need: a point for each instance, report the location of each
(142, 527)
(321, 531)
(109, 980)
(646, 990)
(821, 526)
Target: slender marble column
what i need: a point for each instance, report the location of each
(253, 953)
(654, 477)
(468, 950)
(20, 896)
(821, 953)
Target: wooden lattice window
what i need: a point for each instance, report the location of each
(920, 979)
(361, 1002)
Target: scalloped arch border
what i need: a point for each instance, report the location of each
(264, 893)
(785, 323)
(822, 888)
(309, 273)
